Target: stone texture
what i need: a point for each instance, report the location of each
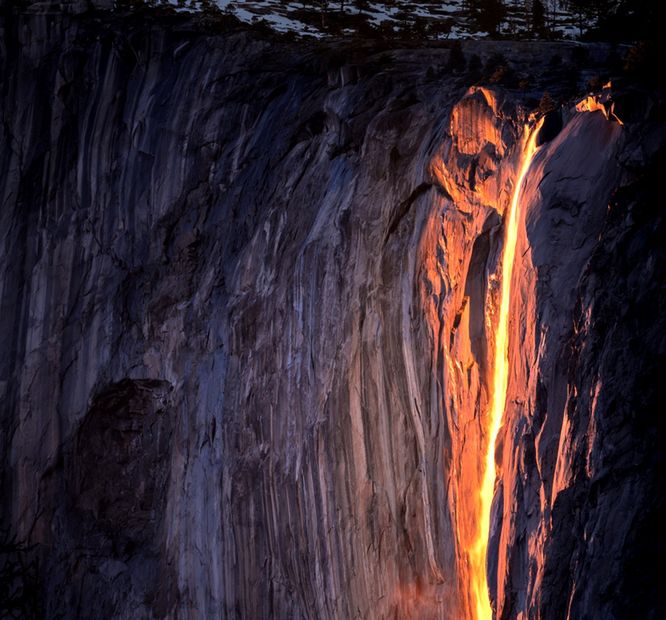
(247, 297)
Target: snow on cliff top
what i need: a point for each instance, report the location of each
(446, 20)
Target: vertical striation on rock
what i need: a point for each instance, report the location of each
(566, 197)
(247, 331)
(568, 506)
(478, 551)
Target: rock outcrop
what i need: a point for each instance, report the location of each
(247, 308)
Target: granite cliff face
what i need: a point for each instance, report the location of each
(247, 322)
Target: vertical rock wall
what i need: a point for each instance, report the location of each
(247, 322)
(564, 204)
(581, 451)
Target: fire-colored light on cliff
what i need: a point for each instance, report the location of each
(477, 554)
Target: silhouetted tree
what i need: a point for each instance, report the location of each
(323, 8)
(441, 28)
(633, 20)
(405, 16)
(488, 15)
(588, 12)
(362, 5)
(538, 17)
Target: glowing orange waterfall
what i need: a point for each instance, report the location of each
(477, 553)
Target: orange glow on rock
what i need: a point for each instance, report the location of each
(601, 102)
(477, 552)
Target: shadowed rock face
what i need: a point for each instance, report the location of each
(116, 474)
(247, 321)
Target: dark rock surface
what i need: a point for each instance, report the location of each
(246, 297)
(116, 475)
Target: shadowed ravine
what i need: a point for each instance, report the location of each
(250, 295)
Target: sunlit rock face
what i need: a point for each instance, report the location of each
(248, 311)
(581, 451)
(564, 207)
